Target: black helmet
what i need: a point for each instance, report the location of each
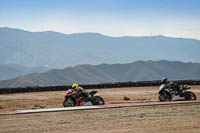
(164, 80)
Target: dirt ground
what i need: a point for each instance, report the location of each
(167, 118)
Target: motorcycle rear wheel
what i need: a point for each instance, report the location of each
(190, 96)
(97, 100)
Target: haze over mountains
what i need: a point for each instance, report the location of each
(105, 73)
(8, 71)
(33, 52)
(58, 50)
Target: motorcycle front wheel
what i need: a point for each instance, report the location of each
(163, 98)
(69, 103)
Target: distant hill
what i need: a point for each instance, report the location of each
(58, 50)
(8, 71)
(106, 73)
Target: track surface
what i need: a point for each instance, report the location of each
(171, 118)
(92, 107)
(54, 99)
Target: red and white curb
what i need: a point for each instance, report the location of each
(48, 110)
(93, 107)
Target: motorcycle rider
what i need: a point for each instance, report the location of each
(165, 81)
(171, 85)
(84, 93)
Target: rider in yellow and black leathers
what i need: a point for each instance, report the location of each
(84, 93)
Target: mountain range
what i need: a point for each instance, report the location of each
(107, 73)
(57, 50)
(8, 71)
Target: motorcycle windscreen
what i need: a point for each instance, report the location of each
(161, 87)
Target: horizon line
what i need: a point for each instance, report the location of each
(14, 28)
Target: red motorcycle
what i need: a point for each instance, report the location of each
(74, 98)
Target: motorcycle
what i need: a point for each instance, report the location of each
(166, 93)
(74, 98)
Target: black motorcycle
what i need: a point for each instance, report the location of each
(167, 93)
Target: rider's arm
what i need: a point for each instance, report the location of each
(83, 90)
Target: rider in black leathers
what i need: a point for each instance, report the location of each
(171, 85)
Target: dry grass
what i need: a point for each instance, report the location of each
(167, 118)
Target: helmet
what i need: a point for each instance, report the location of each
(164, 80)
(74, 86)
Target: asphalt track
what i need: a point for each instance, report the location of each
(108, 106)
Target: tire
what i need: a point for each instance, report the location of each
(97, 100)
(69, 103)
(163, 98)
(190, 96)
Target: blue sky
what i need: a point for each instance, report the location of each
(175, 18)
